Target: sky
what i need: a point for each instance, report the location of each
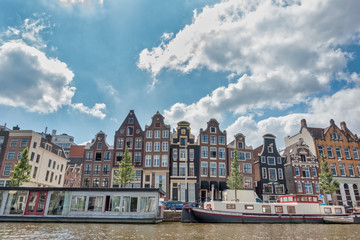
(256, 66)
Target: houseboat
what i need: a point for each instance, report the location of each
(81, 205)
(248, 208)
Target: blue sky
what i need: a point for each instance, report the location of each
(79, 66)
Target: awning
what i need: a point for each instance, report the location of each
(222, 186)
(216, 186)
(204, 185)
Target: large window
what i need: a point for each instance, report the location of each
(11, 155)
(89, 156)
(175, 169)
(222, 153)
(137, 157)
(97, 169)
(314, 172)
(182, 154)
(351, 170)
(149, 134)
(308, 188)
(7, 169)
(272, 174)
(157, 146)
(212, 139)
(78, 203)
(305, 172)
(147, 204)
(165, 133)
(342, 169)
(138, 143)
(164, 160)
(299, 187)
(157, 134)
(107, 156)
(213, 152)
(175, 153)
(96, 204)
(156, 160)
(182, 171)
(204, 138)
(165, 146)
(221, 140)
(204, 152)
(87, 169)
(59, 203)
(24, 142)
(120, 143)
(338, 152)
(264, 173)
(333, 168)
(15, 203)
(297, 171)
(148, 146)
(281, 173)
(356, 154)
(114, 205)
(204, 169)
(271, 160)
(221, 169)
(248, 182)
(129, 204)
(14, 143)
(213, 169)
(347, 154)
(247, 168)
(330, 153)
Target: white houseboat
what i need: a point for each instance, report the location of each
(85, 205)
(250, 209)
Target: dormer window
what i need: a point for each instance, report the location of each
(213, 130)
(240, 145)
(99, 146)
(131, 121)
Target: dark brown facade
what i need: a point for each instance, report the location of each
(156, 154)
(97, 166)
(131, 135)
(246, 158)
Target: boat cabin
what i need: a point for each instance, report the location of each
(298, 199)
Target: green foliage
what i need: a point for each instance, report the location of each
(126, 170)
(234, 181)
(22, 169)
(326, 182)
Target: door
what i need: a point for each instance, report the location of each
(175, 193)
(36, 203)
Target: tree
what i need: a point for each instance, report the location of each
(326, 182)
(22, 169)
(126, 171)
(234, 181)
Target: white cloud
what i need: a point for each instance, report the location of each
(31, 80)
(69, 3)
(95, 111)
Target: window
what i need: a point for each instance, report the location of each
(299, 186)
(107, 156)
(314, 172)
(356, 154)
(138, 143)
(204, 138)
(191, 169)
(279, 189)
(131, 120)
(175, 169)
(165, 133)
(78, 203)
(95, 182)
(329, 150)
(248, 182)
(129, 143)
(148, 146)
(266, 209)
(291, 209)
(204, 152)
(164, 160)
(47, 175)
(221, 140)
(120, 143)
(221, 169)
(248, 155)
(204, 168)
(351, 170)
(19, 156)
(278, 209)
(98, 156)
(297, 171)
(321, 150)
(317, 189)
(1, 141)
(338, 152)
(240, 145)
(157, 134)
(267, 188)
(129, 204)
(213, 152)
(105, 182)
(272, 174)
(148, 161)
(241, 156)
(119, 157)
(11, 155)
(96, 169)
(87, 169)
(89, 156)
(222, 153)
(333, 168)
(54, 164)
(49, 163)
(249, 207)
(24, 142)
(175, 153)
(99, 146)
(213, 169)
(247, 168)
(51, 176)
(87, 182)
(137, 157)
(270, 149)
(347, 154)
(157, 146)
(191, 153)
(305, 172)
(342, 169)
(182, 169)
(271, 160)
(264, 173)
(35, 172)
(15, 202)
(34, 145)
(279, 160)
(7, 169)
(308, 188)
(149, 134)
(263, 159)
(106, 169)
(213, 130)
(281, 174)
(13, 143)
(165, 146)
(130, 131)
(212, 139)
(156, 160)
(182, 141)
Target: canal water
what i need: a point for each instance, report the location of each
(177, 231)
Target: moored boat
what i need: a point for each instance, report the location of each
(85, 205)
(248, 209)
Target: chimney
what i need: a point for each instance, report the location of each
(45, 130)
(16, 127)
(303, 123)
(343, 126)
(53, 133)
(332, 122)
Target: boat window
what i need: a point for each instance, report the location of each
(249, 207)
(147, 204)
(278, 209)
(130, 204)
(78, 203)
(115, 203)
(96, 204)
(291, 209)
(266, 209)
(16, 202)
(1, 197)
(327, 210)
(304, 199)
(298, 199)
(310, 199)
(285, 199)
(315, 199)
(290, 199)
(230, 206)
(59, 203)
(338, 210)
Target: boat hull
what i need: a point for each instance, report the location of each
(212, 216)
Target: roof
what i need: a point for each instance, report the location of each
(317, 133)
(76, 151)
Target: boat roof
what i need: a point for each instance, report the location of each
(83, 189)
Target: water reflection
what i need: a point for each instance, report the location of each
(177, 231)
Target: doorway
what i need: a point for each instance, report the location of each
(36, 203)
